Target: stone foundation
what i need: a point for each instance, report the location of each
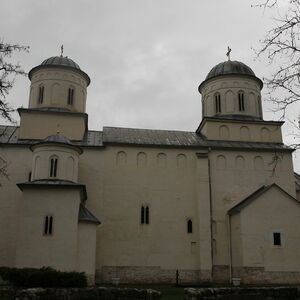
(258, 275)
(151, 275)
(221, 274)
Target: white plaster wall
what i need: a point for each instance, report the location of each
(272, 212)
(59, 250)
(86, 249)
(228, 87)
(65, 169)
(56, 83)
(237, 178)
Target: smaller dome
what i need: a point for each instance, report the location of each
(57, 138)
(60, 61)
(230, 67)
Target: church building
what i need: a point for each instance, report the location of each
(214, 204)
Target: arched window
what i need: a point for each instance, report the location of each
(53, 166)
(145, 217)
(70, 96)
(41, 94)
(218, 102)
(48, 225)
(189, 226)
(241, 101)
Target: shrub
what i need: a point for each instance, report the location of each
(44, 277)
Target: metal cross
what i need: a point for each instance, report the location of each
(61, 50)
(228, 52)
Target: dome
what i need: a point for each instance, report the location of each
(230, 68)
(60, 62)
(57, 138)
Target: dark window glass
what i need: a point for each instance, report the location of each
(70, 96)
(218, 103)
(48, 227)
(53, 167)
(29, 176)
(189, 226)
(147, 215)
(41, 95)
(276, 238)
(241, 102)
(142, 215)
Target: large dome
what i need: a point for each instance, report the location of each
(60, 62)
(230, 68)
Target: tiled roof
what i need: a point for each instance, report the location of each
(145, 137)
(238, 207)
(86, 216)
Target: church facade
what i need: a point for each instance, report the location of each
(215, 204)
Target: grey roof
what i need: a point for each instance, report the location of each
(146, 137)
(86, 216)
(57, 138)
(249, 199)
(58, 62)
(230, 68)
(54, 183)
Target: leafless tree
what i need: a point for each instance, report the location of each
(281, 45)
(8, 73)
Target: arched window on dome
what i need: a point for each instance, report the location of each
(71, 96)
(241, 97)
(218, 102)
(53, 166)
(41, 94)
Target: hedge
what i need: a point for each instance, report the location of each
(44, 277)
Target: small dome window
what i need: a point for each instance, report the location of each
(70, 96)
(218, 102)
(241, 101)
(53, 166)
(41, 95)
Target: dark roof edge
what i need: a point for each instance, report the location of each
(82, 73)
(52, 110)
(54, 184)
(85, 215)
(204, 119)
(249, 199)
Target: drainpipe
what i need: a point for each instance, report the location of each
(229, 247)
(211, 217)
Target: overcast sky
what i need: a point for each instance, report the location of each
(145, 58)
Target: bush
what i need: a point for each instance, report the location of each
(44, 277)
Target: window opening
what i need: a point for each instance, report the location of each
(53, 167)
(70, 96)
(218, 103)
(189, 226)
(145, 217)
(241, 102)
(41, 95)
(48, 227)
(276, 238)
(29, 176)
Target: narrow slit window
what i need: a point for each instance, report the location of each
(277, 239)
(142, 215)
(53, 167)
(70, 96)
(48, 225)
(41, 95)
(241, 101)
(218, 103)
(189, 226)
(147, 215)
